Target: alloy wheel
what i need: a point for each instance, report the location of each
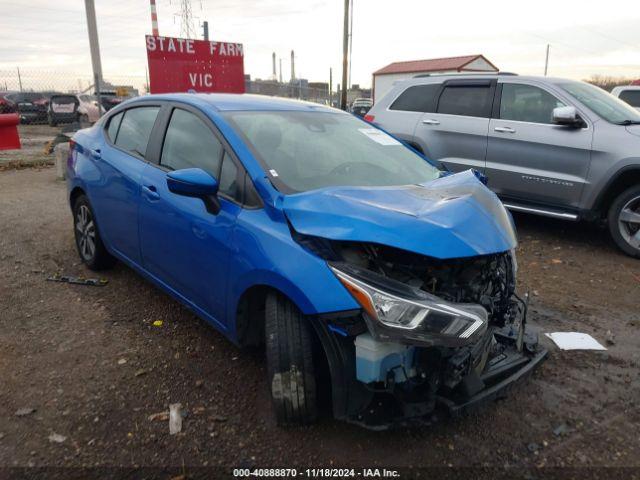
(629, 222)
(85, 233)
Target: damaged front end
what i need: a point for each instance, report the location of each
(431, 333)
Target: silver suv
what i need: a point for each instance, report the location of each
(549, 146)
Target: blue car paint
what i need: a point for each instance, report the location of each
(209, 261)
(192, 181)
(450, 217)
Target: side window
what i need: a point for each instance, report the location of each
(526, 103)
(468, 100)
(419, 98)
(632, 97)
(229, 178)
(135, 129)
(190, 143)
(114, 124)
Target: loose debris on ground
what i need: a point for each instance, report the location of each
(98, 377)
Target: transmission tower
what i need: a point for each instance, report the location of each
(187, 29)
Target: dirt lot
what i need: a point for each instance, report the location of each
(94, 367)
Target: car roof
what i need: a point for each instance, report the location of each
(238, 102)
(438, 78)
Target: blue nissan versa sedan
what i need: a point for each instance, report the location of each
(306, 230)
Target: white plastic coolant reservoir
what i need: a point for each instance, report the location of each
(375, 359)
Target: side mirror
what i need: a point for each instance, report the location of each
(566, 116)
(195, 182)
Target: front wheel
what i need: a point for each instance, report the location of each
(290, 365)
(624, 221)
(90, 247)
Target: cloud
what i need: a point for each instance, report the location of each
(585, 37)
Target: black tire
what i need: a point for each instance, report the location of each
(86, 233)
(290, 366)
(51, 121)
(629, 199)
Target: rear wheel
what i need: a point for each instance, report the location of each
(624, 221)
(90, 247)
(290, 365)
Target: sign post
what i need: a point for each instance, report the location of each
(187, 65)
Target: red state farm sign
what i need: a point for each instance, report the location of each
(183, 65)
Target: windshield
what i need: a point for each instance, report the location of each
(310, 150)
(604, 104)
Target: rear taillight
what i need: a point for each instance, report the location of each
(369, 118)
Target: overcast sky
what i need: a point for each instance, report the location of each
(586, 37)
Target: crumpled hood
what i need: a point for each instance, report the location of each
(450, 217)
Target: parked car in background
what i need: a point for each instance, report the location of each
(69, 108)
(361, 106)
(305, 229)
(31, 106)
(554, 147)
(110, 99)
(89, 111)
(629, 94)
(6, 104)
(63, 108)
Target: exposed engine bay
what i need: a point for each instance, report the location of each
(402, 381)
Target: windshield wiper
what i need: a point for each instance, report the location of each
(629, 122)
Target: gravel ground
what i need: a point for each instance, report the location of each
(83, 368)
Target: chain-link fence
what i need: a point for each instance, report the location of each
(43, 81)
(51, 81)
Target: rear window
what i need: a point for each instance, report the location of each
(632, 97)
(419, 98)
(135, 129)
(467, 100)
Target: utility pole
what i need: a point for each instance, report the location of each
(94, 45)
(205, 30)
(546, 62)
(345, 56)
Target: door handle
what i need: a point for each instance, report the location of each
(96, 154)
(430, 121)
(504, 130)
(150, 192)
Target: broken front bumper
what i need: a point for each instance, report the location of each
(455, 383)
(500, 374)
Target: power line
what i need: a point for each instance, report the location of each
(622, 42)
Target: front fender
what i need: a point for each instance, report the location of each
(267, 255)
(596, 192)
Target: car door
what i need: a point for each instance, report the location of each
(400, 116)
(182, 244)
(115, 184)
(529, 158)
(455, 133)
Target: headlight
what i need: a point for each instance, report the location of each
(398, 312)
